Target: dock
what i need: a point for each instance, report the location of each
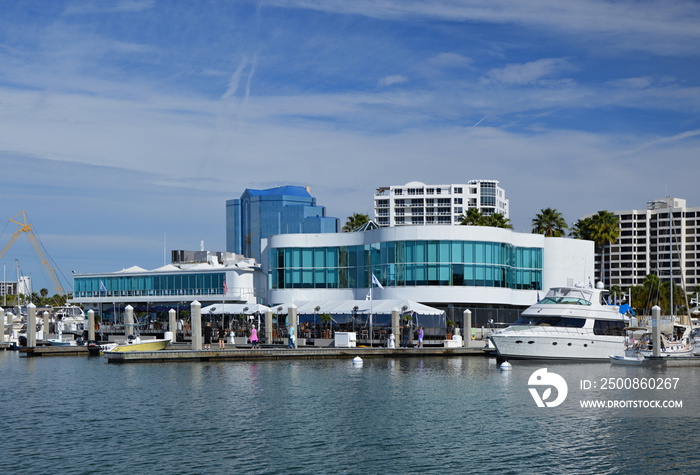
(245, 354)
(31, 351)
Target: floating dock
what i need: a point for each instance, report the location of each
(243, 354)
(30, 351)
(676, 360)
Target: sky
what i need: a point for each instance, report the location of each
(126, 125)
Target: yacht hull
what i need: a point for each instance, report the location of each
(559, 347)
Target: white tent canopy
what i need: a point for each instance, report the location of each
(234, 309)
(363, 307)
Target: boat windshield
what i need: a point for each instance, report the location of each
(551, 322)
(568, 296)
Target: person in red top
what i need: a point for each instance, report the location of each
(254, 337)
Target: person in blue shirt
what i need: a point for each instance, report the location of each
(292, 337)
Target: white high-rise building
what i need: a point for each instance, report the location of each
(643, 245)
(416, 203)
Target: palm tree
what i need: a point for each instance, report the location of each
(582, 229)
(497, 220)
(354, 222)
(604, 230)
(472, 217)
(549, 222)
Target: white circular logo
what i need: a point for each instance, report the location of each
(549, 380)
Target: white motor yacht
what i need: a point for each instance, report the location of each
(569, 323)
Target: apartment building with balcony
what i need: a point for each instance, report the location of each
(663, 238)
(418, 204)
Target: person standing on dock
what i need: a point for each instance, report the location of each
(254, 337)
(406, 335)
(420, 337)
(292, 337)
(208, 332)
(222, 338)
(59, 328)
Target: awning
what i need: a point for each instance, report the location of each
(234, 309)
(337, 307)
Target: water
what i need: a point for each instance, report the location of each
(409, 415)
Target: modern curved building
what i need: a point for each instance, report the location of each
(449, 267)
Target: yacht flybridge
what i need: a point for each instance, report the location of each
(568, 323)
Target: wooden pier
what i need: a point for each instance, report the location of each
(31, 351)
(244, 354)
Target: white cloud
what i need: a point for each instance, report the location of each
(451, 60)
(391, 80)
(532, 72)
(661, 27)
(109, 7)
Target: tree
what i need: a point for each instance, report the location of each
(581, 230)
(472, 217)
(497, 220)
(549, 222)
(604, 230)
(354, 222)
(654, 292)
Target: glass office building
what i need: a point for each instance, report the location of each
(258, 214)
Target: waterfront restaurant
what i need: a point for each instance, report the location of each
(493, 272)
(205, 276)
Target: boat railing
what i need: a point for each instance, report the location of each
(554, 330)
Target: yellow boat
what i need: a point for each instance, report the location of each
(136, 344)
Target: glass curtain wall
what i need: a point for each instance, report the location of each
(408, 263)
(150, 285)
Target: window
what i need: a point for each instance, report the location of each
(417, 262)
(610, 328)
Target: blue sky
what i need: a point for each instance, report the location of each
(126, 125)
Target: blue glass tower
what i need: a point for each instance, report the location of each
(258, 214)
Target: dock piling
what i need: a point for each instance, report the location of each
(196, 312)
(31, 325)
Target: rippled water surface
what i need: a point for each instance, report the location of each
(409, 415)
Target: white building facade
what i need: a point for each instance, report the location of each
(205, 276)
(418, 204)
(646, 237)
(458, 266)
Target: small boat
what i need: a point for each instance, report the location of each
(61, 343)
(96, 348)
(634, 360)
(134, 343)
(676, 343)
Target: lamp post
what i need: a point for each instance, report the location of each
(316, 310)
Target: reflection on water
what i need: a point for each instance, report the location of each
(410, 415)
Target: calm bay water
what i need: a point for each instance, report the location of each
(407, 415)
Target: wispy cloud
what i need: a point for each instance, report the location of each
(391, 80)
(661, 27)
(109, 7)
(532, 72)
